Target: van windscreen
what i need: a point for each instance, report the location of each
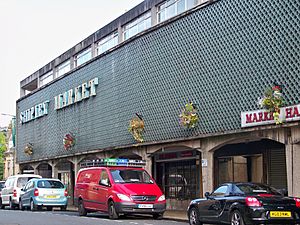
(131, 176)
(22, 181)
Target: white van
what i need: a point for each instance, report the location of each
(10, 193)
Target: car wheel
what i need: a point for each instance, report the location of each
(33, 207)
(194, 217)
(237, 218)
(81, 210)
(63, 208)
(21, 205)
(112, 213)
(1, 206)
(157, 216)
(11, 204)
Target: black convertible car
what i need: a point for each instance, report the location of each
(244, 203)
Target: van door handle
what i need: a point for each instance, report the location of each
(95, 188)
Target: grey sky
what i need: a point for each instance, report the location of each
(34, 32)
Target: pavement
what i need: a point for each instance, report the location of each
(177, 215)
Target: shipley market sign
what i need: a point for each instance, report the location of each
(263, 117)
(70, 97)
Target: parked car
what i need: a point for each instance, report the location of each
(1, 187)
(244, 203)
(118, 189)
(10, 193)
(44, 192)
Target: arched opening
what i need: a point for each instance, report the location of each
(45, 170)
(26, 169)
(65, 173)
(177, 171)
(261, 161)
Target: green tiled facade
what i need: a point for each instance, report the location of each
(221, 57)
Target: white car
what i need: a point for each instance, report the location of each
(10, 194)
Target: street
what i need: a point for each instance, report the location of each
(16, 217)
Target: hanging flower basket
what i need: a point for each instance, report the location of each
(69, 141)
(272, 102)
(188, 117)
(136, 128)
(28, 150)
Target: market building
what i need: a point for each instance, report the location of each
(144, 69)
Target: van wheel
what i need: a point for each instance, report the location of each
(33, 207)
(81, 210)
(63, 208)
(21, 205)
(11, 204)
(1, 206)
(49, 208)
(112, 213)
(157, 216)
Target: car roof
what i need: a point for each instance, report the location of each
(111, 167)
(26, 175)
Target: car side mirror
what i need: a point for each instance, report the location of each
(207, 194)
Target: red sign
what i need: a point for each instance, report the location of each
(263, 117)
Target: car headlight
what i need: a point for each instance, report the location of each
(161, 198)
(124, 197)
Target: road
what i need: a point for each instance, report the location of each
(16, 217)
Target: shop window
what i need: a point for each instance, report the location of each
(240, 169)
(138, 25)
(172, 8)
(179, 180)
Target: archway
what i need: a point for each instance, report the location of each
(65, 173)
(26, 169)
(45, 170)
(262, 161)
(177, 171)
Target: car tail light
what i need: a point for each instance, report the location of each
(36, 192)
(297, 200)
(252, 201)
(15, 193)
(66, 193)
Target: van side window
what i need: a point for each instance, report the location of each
(104, 179)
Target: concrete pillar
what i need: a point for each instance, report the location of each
(153, 16)
(120, 34)
(22, 92)
(293, 168)
(94, 49)
(207, 171)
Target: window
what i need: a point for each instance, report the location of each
(137, 26)
(107, 43)
(46, 78)
(50, 184)
(131, 176)
(83, 57)
(104, 178)
(220, 191)
(63, 68)
(172, 8)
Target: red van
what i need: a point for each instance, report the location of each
(118, 186)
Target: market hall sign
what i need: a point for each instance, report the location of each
(34, 112)
(77, 94)
(263, 117)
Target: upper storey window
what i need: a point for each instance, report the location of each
(172, 8)
(108, 42)
(46, 78)
(63, 68)
(138, 25)
(83, 57)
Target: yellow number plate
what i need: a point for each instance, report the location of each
(282, 214)
(51, 196)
